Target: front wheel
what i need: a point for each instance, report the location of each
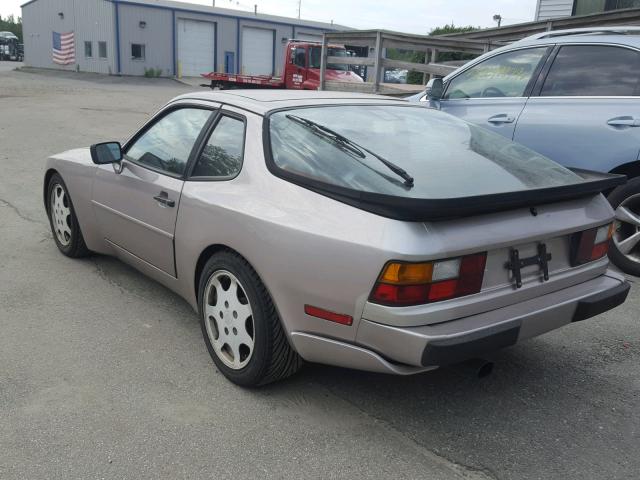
(240, 325)
(63, 220)
(625, 247)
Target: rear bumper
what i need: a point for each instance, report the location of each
(408, 350)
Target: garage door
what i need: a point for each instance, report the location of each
(196, 47)
(308, 37)
(257, 51)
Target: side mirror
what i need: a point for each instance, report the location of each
(105, 153)
(435, 89)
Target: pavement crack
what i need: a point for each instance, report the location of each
(18, 212)
(103, 275)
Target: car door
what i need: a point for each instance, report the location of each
(296, 70)
(493, 93)
(136, 203)
(586, 111)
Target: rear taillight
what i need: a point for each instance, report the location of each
(590, 245)
(402, 284)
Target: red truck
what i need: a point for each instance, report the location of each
(301, 70)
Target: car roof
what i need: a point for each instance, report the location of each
(625, 35)
(617, 35)
(261, 101)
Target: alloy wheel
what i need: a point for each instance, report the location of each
(626, 236)
(61, 214)
(229, 319)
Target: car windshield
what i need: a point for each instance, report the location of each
(316, 55)
(445, 157)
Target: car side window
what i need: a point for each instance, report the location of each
(166, 146)
(223, 152)
(505, 75)
(593, 70)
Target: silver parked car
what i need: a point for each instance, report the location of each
(346, 229)
(572, 95)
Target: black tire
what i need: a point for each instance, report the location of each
(272, 357)
(75, 248)
(617, 197)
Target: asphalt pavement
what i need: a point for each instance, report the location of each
(104, 373)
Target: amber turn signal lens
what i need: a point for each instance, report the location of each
(407, 273)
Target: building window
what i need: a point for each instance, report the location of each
(88, 52)
(102, 49)
(137, 51)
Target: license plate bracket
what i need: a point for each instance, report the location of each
(516, 264)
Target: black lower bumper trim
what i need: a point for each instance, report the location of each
(458, 349)
(601, 302)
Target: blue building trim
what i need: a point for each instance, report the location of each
(215, 45)
(173, 43)
(117, 15)
(214, 14)
(273, 54)
(238, 46)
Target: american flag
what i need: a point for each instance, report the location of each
(64, 50)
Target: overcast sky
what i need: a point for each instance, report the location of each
(415, 16)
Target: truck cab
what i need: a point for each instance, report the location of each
(302, 65)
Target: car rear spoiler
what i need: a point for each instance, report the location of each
(422, 210)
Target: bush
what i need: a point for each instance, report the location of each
(152, 72)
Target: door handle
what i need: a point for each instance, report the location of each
(626, 121)
(501, 118)
(163, 200)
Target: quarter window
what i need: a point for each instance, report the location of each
(590, 70)
(137, 51)
(222, 155)
(167, 145)
(102, 49)
(88, 51)
(505, 75)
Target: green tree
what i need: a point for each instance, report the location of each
(10, 24)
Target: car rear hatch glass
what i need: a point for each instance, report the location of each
(414, 163)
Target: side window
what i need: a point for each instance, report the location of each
(300, 57)
(222, 155)
(505, 75)
(590, 70)
(168, 143)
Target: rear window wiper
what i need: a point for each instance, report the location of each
(351, 146)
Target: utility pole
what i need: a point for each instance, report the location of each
(299, 8)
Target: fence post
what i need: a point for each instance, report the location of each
(377, 67)
(323, 61)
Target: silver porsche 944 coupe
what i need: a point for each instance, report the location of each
(351, 230)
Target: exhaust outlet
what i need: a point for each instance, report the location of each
(476, 367)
